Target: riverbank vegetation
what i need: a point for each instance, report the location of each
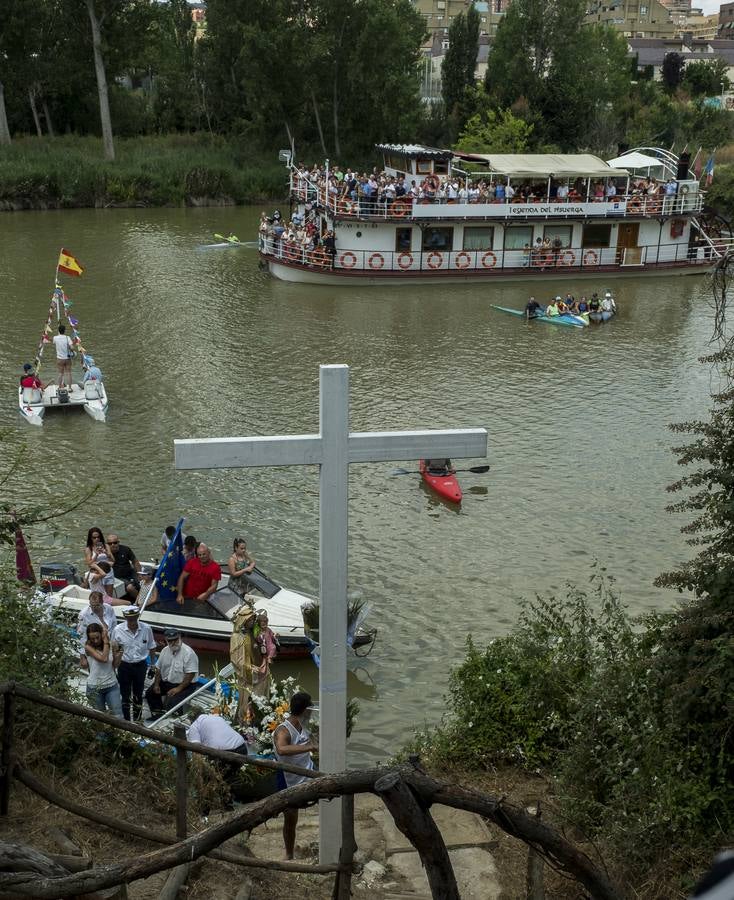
(170, 170)
(629, 718)
(270, 74)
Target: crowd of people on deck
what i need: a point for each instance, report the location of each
(560, 306)
(376, 192)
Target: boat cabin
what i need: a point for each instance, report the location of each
(415, 162)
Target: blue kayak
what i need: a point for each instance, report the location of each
(565, 319)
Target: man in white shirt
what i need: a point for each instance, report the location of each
(136, 641)
(62, 343)
(98, 612)
(176, 669)
(213, 731)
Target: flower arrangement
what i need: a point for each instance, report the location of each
(263, 714)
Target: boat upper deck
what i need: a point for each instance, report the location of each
(423, 183)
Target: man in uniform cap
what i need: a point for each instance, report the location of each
(176, 669)
(136, 641)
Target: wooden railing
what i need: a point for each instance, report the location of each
(407, 792)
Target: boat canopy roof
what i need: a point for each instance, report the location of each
(637, 160)
(545, 165)
(413, 151)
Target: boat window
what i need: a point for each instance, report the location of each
(478, 238)
(423, 166)
(518, 236)
(438, 239)
(403, 239)
(441, 166)
(202, 610)
(597, 236)
(560, 233)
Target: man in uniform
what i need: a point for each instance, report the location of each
(136, 641)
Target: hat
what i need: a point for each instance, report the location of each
(27, 367)
(170, 633)
(146, 569)
(130, 612)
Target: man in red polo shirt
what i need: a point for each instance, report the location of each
(198, 580)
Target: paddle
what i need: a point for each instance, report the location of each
(232, 239)
(477, 470)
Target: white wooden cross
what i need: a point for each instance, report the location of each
(333, 449)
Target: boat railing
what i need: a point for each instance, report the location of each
(470, 261)
(634, 205)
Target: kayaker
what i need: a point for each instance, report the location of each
(533, 308)
(562, 306)
(582, 305)
(608, 304)
(552, 308)
(570, 302)
(595, 303)
(439, 467)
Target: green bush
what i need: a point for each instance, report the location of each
(148, 171)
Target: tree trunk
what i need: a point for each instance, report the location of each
(104, 99)
(4, 130)
(335, 98)
(34, 110)
(47, 117)
(415, 822)
(318, 123)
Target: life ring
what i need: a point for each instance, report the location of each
(376, 258)
(591, 258)
(463, 260)
(435, 260)
(400, 208)
(405, 260)
(489, 260)
(570, 256)
(348, 260)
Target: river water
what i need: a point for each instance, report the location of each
(198, 343)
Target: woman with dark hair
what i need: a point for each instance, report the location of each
(103, 691)
(240, 563)
(94, 537)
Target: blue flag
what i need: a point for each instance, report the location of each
(171, 566)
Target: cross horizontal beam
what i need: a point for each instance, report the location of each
(306, 449)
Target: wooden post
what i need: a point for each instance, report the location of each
(415, 822)
(182, 786)
(343, 882)
(535, 887)
(6, 754)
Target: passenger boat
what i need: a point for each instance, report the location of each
(572, 215)
(89, 394)
(563, 319)
(446, 486)
(210, 629)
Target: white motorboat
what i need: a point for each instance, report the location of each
(91, 396)
(209, 627)
(88, 392)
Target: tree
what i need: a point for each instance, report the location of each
(459, 64)
(672, 71)
(706, 78)
(495, 132)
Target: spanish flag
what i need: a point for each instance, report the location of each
(69, 264)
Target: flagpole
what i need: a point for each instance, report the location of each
(162, 564)
(56, 284)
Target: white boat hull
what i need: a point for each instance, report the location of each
(337, 277)
(33, 411)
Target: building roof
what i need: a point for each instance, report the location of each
(533, 165)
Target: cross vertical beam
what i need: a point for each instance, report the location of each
(333, 532)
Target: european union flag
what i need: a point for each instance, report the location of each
(171, 566)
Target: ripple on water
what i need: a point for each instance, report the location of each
(202, 343)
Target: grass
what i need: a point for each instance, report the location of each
(166, 170)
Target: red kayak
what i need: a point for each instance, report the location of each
(445, 486)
